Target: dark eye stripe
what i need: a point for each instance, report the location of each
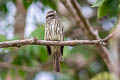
(52, 11)
(49, 16)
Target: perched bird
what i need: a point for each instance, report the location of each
(54, 32)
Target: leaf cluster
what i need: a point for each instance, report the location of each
(107, 7)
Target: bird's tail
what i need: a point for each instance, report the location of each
(56, 62)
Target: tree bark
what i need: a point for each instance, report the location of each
(20, 19)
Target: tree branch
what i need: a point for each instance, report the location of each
(88, 30)
(35, 41)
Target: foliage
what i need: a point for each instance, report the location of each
(105, 7)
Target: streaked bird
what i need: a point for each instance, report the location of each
(54, 32)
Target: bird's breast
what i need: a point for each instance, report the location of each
(54, 30)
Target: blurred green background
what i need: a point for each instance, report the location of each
(26, 19)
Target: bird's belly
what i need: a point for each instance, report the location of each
(55, 49)
(55, 34)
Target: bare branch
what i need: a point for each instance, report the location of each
(34, 41)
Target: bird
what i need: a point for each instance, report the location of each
(54, 32)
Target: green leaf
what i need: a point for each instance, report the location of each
(114, 7)
(98, 3)
(108, 6)
(102, 11)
